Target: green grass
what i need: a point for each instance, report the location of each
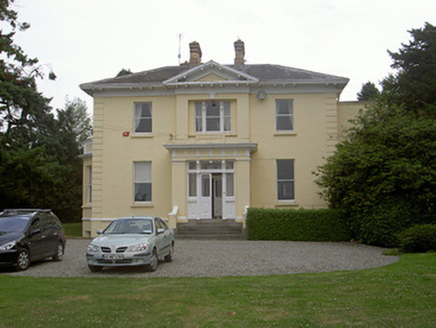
(73, 229)
(399, 295)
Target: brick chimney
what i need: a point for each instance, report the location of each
(239, 52)
(195, 50)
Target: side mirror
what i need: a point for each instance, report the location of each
(99, 231)
(160, 230)
(35, 231)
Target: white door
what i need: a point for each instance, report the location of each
(194, 184)
(229, 204)
(206, 196)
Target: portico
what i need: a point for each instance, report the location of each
(211, 180)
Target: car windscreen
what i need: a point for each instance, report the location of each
(130, 226)
(13, 224)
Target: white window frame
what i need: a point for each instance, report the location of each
(288, 116)
(281, 181)
(145, 179)
(225, 116)
(138, 118)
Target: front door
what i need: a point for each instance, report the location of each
(206, 196)
(217, 203)
(211, 190)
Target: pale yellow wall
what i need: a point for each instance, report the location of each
(89, 228)
(316, 119)
(87, 162)
(211, 78)
(348, 110)
(179, 192)
(86, 207)
(120, 152)
(307, 145)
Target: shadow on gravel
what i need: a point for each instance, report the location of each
(9, 269)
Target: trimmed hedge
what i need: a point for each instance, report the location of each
(297, 225)
(418, 239)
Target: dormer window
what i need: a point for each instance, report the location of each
(212, 116)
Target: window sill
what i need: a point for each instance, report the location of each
(213, 135)
(286, 204)
(142, 135)
(139, 205)
(285, 133)
(87, 207)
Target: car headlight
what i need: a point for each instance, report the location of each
(93, 248)
(137, 248)
(8, 246)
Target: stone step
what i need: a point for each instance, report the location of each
(210, 229)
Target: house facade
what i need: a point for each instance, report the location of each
(206, 140)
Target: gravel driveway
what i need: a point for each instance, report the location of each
(204, 258)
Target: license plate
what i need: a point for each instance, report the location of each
(112, 256)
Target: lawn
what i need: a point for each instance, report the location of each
(73, 230)
(399, 295)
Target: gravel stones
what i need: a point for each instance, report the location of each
(219, 258)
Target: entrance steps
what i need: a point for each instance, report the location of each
(216, 229)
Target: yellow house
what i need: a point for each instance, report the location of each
(206, 140)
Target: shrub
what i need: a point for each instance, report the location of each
(381, 224)
(297, 225)
(383, 174)
(418, 239)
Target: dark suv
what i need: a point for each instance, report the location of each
(28, 235)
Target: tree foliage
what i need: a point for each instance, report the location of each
(39, 163)
(414, 84)
(368, 92)
(124, 72)
(20, 102)
(384, 173)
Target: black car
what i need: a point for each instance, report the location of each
(28, 235)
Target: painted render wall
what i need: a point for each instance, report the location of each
(348, 110)
(316, 122)
(307, 145)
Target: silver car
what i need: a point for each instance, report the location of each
(131, 241)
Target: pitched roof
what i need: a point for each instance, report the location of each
(260, 73)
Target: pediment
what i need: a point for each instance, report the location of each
(212, 78)
(211, 72)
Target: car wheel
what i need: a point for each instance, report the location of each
(154, 261)
(169, 257)
(23, 260)
(95, 268)
(59, 253)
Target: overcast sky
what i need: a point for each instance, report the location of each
(89, 40)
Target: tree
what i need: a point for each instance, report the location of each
(414, 84)
(368, 92)
(124, 72)
(384, 174)
(74, 119)
(73, 129)
(39, 163)
(24, 168)
(19, 98)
